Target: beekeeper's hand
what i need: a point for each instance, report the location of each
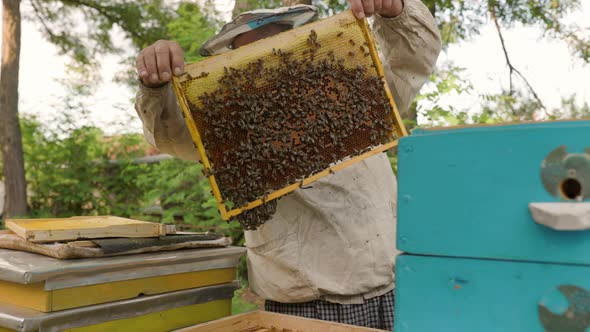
(158, 62)
(385, 8)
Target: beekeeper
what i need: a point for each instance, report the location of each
(328, 252)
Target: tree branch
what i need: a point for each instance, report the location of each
(102, 10)
(509, 63)
(41, 19)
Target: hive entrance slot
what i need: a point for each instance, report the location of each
(571, 189)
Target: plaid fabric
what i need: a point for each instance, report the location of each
(375, 313)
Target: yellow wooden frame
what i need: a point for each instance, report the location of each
(264, 321)
(400, 129)
(86, 227)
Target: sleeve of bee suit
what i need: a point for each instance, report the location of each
(163, 124)
(410, 45)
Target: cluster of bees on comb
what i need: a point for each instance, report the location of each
(266, 127)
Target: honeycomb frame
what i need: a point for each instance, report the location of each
(325, 28)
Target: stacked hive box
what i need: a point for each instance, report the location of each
(148, 292)
(493, 225)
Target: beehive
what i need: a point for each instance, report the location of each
(282, 112)
(493, 231)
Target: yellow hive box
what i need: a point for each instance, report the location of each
(155, 313)
(341, 42)
(35, 296)
(48, 285)
(164, 320)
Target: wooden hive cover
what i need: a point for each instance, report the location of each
(74, 228)
(284, 111)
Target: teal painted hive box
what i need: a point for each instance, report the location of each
(495, 226)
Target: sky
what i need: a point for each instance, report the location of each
(548, 65)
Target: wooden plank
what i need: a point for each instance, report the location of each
(237, 323)
(35, 297)
(165, 320)
(31, 296)
(86, 249)
(287, 322)
(268, 321)
(83, 244)
(75, 228)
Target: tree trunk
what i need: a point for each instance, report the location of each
(10, 134)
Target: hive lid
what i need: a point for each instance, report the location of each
(85, 227)
(23, 319)
(26, 268)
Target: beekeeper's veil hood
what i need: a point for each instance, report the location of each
(292, 16)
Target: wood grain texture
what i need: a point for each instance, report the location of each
(31, 296)
(262, 321)
(87, 249)
(466, 192)
(75, 228)
(34, 296)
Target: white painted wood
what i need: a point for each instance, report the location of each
(562, 216)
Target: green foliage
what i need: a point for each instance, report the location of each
(239, 305)
(191, 28)
(445, 81)
(571, 109)
(142, 21)
(68, 175)
(457, 19)
(330, 7)
(462, 19)
(77, 171)
(181, 190)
